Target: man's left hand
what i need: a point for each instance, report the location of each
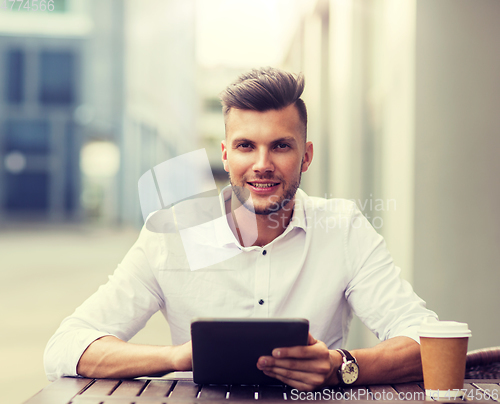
(303, 367)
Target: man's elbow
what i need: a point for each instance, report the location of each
(52, 362)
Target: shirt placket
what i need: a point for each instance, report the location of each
(261, 295)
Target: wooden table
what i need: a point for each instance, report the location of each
(174, 390)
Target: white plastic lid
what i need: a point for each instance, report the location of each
(433, 328)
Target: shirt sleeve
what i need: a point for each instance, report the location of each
(120, 308)
(383, 301)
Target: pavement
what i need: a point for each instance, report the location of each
(46, 271)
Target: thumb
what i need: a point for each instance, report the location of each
(311, 340)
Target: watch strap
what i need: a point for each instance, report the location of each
(347, 355)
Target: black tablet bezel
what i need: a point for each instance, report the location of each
(226, 350)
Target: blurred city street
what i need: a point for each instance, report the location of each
(47, 271)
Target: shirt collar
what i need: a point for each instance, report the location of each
(223, 232)
(299, 216)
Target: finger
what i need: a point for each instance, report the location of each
(265, 361)
(316, 351)
(311, 340)
(308, 366)
(292, 383)
(300, 380)
(269, 363)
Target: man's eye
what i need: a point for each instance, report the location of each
(282, 146)
(245, 145)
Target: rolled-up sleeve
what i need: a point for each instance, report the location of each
(120, 308)
(383, 301)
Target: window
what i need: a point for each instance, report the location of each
(27, 191)
(14, 76)
(56, 78)
(27, 136)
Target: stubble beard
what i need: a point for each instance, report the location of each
(243, 195)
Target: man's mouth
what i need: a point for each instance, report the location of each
(263, 184)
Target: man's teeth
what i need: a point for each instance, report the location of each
(262, 185)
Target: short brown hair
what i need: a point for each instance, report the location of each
(265, 89)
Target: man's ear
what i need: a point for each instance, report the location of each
(224, 155)
(308, 156)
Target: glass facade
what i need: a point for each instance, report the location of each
(14, 79)
(56, 78)
(27, 191)
(34, 139)
(27, 136)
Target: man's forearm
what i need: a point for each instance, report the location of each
(396, 360)
(110, 357)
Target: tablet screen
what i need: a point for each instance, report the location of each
(226, 350)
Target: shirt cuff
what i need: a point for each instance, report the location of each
(412, 331)
(64, 362)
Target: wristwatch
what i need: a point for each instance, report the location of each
(349, 370)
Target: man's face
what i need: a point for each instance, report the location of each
(265, 155)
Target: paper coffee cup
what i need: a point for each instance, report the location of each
(443, 348)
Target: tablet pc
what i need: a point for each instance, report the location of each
(226, 350)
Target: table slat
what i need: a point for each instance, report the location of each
(101, 387)
(213, 392)
(129, 388)
(184, 389)
(491, 391)
(87, 400)
(356, 393)
(383, 392)
(271, 393)
(157, 388)
(410, 391)
(323, 394)
(60, 392)
(471, 392)
(242, 392)
(118, 400)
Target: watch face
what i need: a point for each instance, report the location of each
(350, 372)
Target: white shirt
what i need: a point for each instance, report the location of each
(328, 264)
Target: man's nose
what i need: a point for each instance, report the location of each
(263, 162)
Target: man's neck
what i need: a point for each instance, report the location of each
(256, 230)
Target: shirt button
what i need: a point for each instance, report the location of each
(261, 302)
(264, 252)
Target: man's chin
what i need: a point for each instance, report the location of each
(263, 209)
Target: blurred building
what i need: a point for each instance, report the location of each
(60, 89)
(39, 90)
(87, 84)
(160, 98)
(403, 98)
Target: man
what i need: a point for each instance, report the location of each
(299, 257)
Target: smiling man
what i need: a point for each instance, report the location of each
(265, 152)
(306, 257)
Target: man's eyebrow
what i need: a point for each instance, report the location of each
(241, 140)
(289, 139)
